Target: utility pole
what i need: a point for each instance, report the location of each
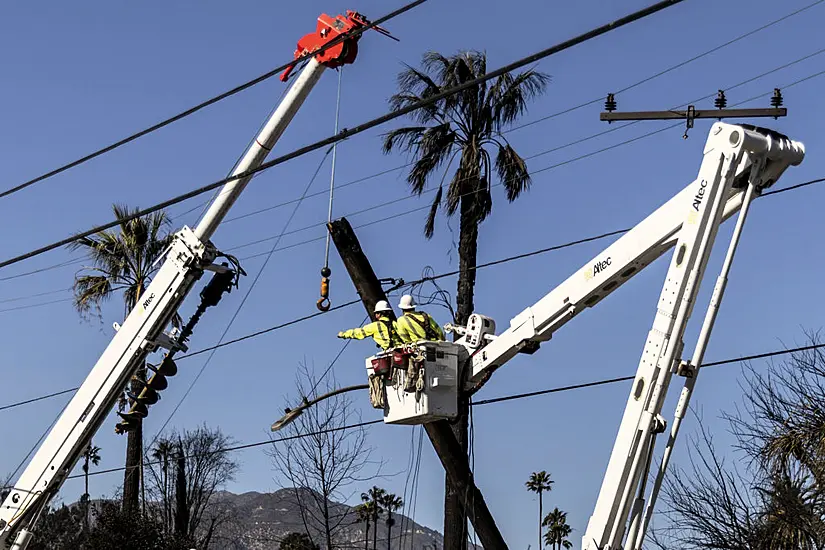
(444, 441)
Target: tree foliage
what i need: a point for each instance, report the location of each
(188, 491)
(123, 260)
(557, 530)
(539, 483)
(774, 498)
(319, 460)
(297, 541)
(112, 529)
(468, 127)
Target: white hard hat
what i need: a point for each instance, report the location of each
(382, 305)
(407, 302)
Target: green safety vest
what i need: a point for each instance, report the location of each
(382, 331)
(416, 326)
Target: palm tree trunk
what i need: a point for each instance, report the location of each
(389, 529)
(133, 476)
(367, 536)
(181, 509)
(540, 518)
(455, 523)
(374, 531)
(86, 503)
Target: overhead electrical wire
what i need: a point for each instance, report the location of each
(379, 21)
(243, 300)
(349, 132)
(476, 403)
(383, 172)
(671, 68)
(266, 76)
(344, 305)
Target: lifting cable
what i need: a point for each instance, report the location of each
(323, 302)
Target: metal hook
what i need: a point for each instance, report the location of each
(323, 303)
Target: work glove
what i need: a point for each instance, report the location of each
(340, 335)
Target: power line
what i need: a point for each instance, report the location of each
(627, 378)
(347, 133)
(535, 155)
(671, 68)
(37, 295)
(245, 296)
(411, 283)
(244, 446)
(212, 101)
(475, 403)
(576, 107)
(35, 399)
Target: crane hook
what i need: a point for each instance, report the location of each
(323, 303)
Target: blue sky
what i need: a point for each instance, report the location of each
(78, 76)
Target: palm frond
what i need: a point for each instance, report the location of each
(429, 226)
(432, 148)
(414, 86)
(404, 139)
(90, 291)
(512, 172)
(510, 94)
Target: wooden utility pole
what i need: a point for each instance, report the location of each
(447, 447)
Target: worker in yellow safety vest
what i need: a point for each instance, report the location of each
(414, 326)
(382, 330)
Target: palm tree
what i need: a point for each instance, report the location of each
(391, 503)
(90, 456)
(363, 514)
(374, 497)
(791, 511)
(557, 530)
(123, 260)
(163, 451)
(539, 482)
(468, 125)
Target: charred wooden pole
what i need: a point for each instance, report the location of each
(455, 462)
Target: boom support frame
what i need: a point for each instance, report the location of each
(739, 162)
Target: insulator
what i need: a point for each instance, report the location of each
(776, 100)
(610, 103)
(721, 101)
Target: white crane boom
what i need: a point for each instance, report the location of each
(189, 255)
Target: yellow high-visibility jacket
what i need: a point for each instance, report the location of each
(414, 326)
(382, 331)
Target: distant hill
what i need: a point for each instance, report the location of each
(262, 519)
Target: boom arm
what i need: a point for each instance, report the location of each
(142, 333)
(739, 163)
(611, 268)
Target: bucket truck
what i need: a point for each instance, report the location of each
(739, 162)
(333, 44)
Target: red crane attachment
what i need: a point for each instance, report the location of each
(332, 28)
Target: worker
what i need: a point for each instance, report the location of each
(382, 330)
(414, 326)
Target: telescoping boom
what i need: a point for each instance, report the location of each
(739, 163)
(332, 44)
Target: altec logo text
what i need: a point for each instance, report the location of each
(598, 267)
(700, 195)
(148, 300)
